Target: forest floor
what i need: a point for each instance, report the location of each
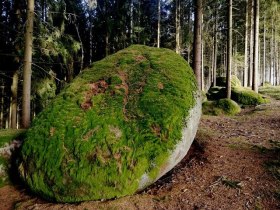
(230, 166)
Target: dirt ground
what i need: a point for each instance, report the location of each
(225, 169)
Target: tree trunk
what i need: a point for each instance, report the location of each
(2, 106)
(215, 50)
(229, 50)
(131, 22)
(14, 90)
(27, 65)
(264, 52)
(245, 74)
(197, 42)
(178, 25)
(158, 24)
(271, 60)
(255, 83)
(251, 64)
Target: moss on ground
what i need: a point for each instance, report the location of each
(221, 107)
(272, 91)
(246, 96)
(116, 121)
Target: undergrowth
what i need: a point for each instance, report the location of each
(116, 121)
(272, 91)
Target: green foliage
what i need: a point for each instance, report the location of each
(221, 107)
(116, 121)
(45, 91)
(246, 96)
(272, 91)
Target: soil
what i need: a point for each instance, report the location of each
(224, 169)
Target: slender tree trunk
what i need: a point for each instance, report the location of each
(90, 38)
(271, 60)
(264, 52)
(2, 106)
(131, 22)
(202, 57)
(197, 42)
(255, 83)
(276, 63)
(14, 90)
(178, 25)
(251, 64)
(245, 74)
(158, 24)
(229, 49)
(27, 65)
(215, 50)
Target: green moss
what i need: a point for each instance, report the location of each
(272, 91)
(7, 135)
(235, 82)
(247, 97)
(116, 121)
(221, 107)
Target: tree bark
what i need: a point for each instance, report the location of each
(229, 50)
(178, 25)
(197, 42)
(27, 65)
(255, 83)
(215, 50)
(158, 24)
(245, 74)
(14, 90)
(264, 52)
(251, 64)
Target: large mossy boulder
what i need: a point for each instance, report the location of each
(221, 107)
(118, 127)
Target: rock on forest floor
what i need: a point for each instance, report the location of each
(226, 168)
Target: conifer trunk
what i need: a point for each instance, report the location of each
(229, 50)
(27, 65)
(14, 90)
(245, 74)
(158, 23)
(197, 42)
(255, 83)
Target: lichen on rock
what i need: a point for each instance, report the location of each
(120, 120)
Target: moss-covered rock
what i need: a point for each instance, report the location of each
(221, 107)
(118, 127)
(9, 141)
(246, 96)
(222, 81)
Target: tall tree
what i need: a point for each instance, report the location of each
(229, 49)
(256, 46)
(245, 73)
(158, 24)
(197, 41)
(27, 64)
(178, 26)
